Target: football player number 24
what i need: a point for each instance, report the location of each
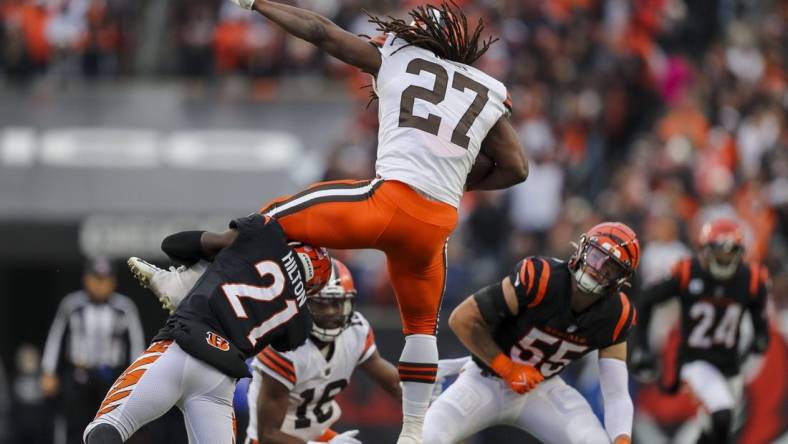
(436, 95)
(236, 292)
(536, 342)
(725, 331)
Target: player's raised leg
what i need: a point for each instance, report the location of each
(337, 214)
(419, 294)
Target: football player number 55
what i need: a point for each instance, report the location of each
(436, 95)
(535, 342)
(235, 292)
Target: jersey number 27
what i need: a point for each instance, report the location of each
(436, 95)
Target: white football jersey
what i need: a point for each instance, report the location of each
(313, 381)
(434, 115)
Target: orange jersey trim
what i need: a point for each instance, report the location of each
(684, 273)
(622, 319)
(369, 341)
(754, 275)
(543, 279)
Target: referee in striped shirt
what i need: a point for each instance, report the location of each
(95, 335)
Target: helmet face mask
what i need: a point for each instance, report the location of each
(606, 258)
(722, 247)
(599, 270)
(723, 260)
(332, 307)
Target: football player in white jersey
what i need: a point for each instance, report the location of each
(436, 113)
(291, 396)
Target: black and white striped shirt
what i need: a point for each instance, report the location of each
(93, 335)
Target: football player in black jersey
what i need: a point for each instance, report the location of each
(525, 329)
(715, 288)
(252, 295)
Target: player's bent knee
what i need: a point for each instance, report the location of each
(103, 434)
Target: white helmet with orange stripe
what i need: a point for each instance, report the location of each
(332, 307)
(606, 258)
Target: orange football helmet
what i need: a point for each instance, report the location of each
(316, 263)
(722, 247)
(606, 258)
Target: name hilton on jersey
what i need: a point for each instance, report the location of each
(295, 277)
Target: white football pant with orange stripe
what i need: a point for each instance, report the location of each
(163, 377)
(553, 412)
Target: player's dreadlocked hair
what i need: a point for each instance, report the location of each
(448, 38)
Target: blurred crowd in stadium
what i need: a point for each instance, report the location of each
(658, 113)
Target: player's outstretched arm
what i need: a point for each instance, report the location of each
(384, 374)
(321, 32)
(503, 146)
(613, 381)
(272, 402)
(190, 247)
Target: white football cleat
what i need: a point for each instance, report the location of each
(411, 430)
(170, 286)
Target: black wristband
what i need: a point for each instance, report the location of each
(184, 247)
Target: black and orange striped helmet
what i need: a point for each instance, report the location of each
(606, 258)
(332, 307)
(316, 263)
(722, 247)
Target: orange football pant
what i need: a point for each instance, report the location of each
(386, 215)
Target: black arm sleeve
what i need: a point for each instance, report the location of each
(492, 304)
(647, 299)
(184, 247)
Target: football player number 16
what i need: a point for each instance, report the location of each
(436, 95)
(535, 342)
(235, 292)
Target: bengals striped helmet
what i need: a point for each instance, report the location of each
(332, 307)
(606, 258)
(316, 264)
(722, 247)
